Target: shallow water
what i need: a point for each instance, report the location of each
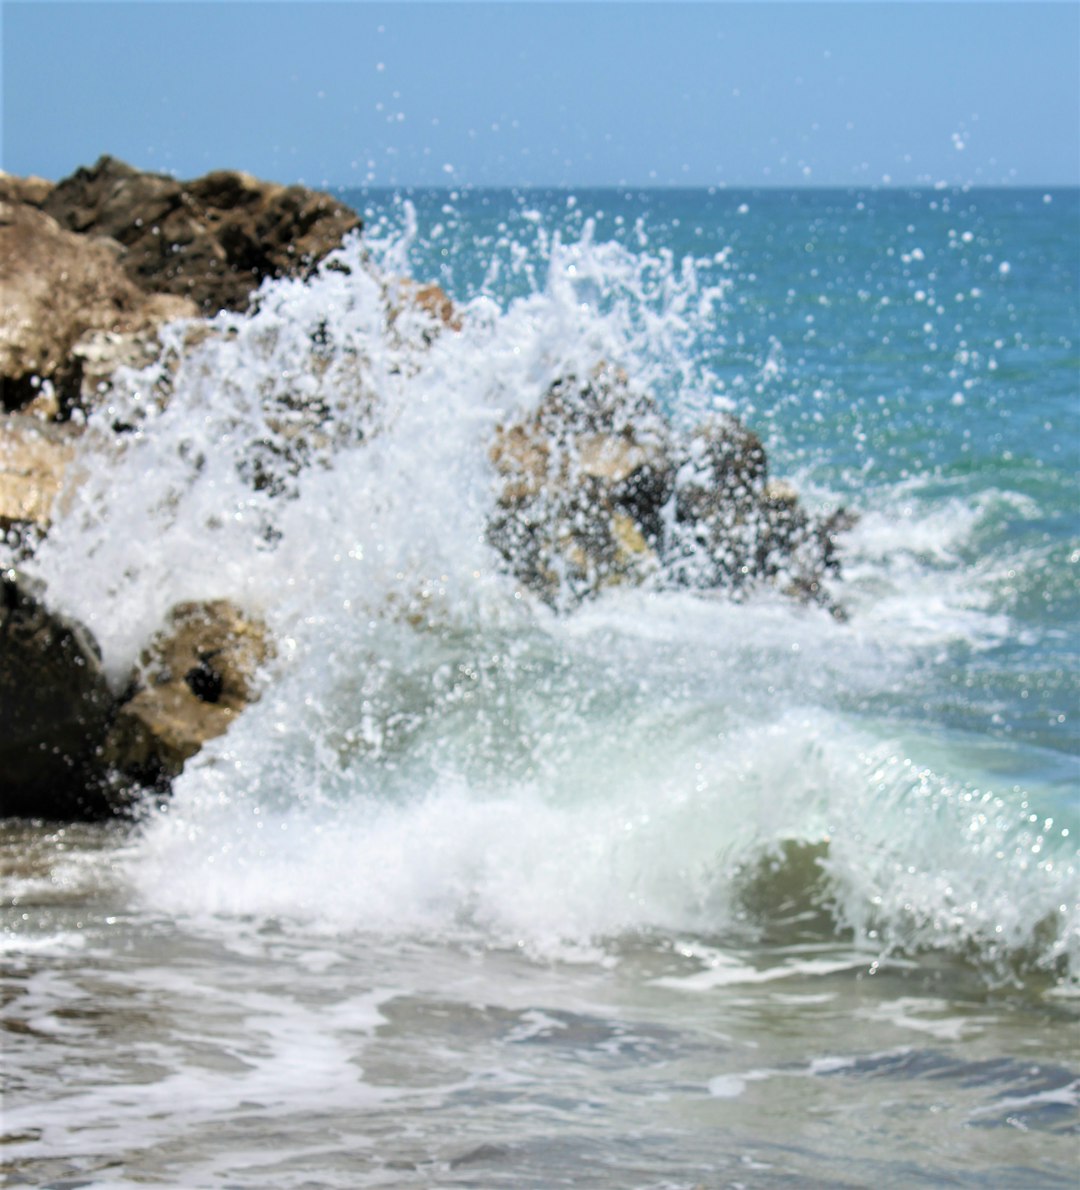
(242, 1052)
(662, 891)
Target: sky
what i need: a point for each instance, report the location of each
(557, 93)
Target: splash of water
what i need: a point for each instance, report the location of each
(435, 751)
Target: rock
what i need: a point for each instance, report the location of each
(30, 190)
(35, 458)
(192, 681)
(213, 240)
(582, 485)
(597, 488)
(55, 706)
(58, 291)
(717, 539)
(91, 267)
(402, 294)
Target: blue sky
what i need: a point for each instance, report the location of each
(557, 93)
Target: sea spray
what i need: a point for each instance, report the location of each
(437, 752)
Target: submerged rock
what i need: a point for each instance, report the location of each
(596, 488)
(191, 682)
(55, 706)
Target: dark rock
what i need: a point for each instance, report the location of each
(55, 706)
(213, 240)
(597, 488)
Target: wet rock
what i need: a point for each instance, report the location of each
(55, 706)
(91, 267)
(212, 240)
(192, 681)
(581, 487)
(404, 294)
(597, 488)
(35, 460)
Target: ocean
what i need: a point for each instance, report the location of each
(664, 890)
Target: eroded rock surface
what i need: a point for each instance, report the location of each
(582, 482)
(597, 488)
(213, 240)
(57, 291)
(191, 682)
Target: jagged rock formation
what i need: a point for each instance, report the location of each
(596, 489)
(213, 240)
(91, 267)
(581, 482)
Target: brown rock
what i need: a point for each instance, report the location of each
(56, 288)
(30, 190)
(596, 488)
(213, 240)
(192, 681)
(581, 487)
(403, 293)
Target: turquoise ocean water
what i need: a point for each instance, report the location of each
(667, 891)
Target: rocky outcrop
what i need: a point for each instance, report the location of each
(596, 488)
(213, 240)
(191, 682)
(55, 707)
(71, 749)
(91, 267)
(58, 292)
(582, 482)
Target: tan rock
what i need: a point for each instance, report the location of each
(32, 190)
(161, 728)
(57, 288)
(402, 293)
(192, 681)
